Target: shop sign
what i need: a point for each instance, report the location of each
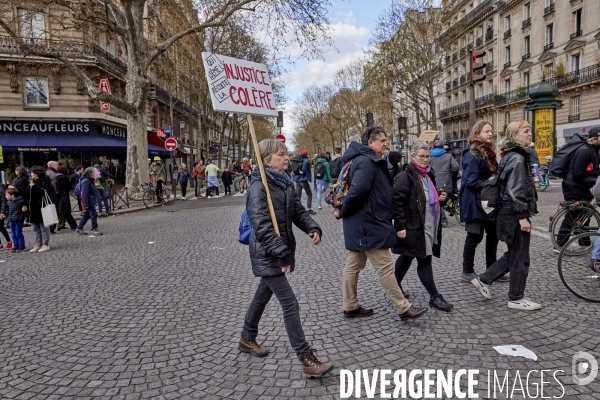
(105, 87)
(44, 127)
(41, 149)
(113, 131)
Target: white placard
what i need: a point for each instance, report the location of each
(239, 86)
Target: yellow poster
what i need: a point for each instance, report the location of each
(544, 133)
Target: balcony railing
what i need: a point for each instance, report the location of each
(489, 66)
(483, 101)
(473, 14)
(526, 22)
(156, 92)
(504, 3)
(506, 33)
(455, 82)
(470, 46)
(489, 35)
(479, 41)
(526, 56)
(576, 34)
(574, 118)
(454, 57)
(548, 46)
(549, 9)
(450, 111)
(507, 64)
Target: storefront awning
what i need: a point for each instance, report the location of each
(68, 143)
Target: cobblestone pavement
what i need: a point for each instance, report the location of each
(154, 309)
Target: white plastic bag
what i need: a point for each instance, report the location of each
(49, 214)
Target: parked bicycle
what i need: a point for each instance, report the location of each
(452, 207)
(150, 198)
(579, 217)
(577, 271)
(544, 182)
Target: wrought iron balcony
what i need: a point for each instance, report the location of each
(454, 57)
(574, 118)
(470, 46)
(479, 41)
(483, 101)
(585, 75)
(450, 111)
(506, 33)
(504, 3)
(548, 46)
(489, 35)
(507, 64)
(455, 82)
(549, 9)
(526, 56)
(489, 66)
(576, 34)
(526, 22)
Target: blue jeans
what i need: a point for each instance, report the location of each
(289, 305)
(16, 230)
(103, 198)
(596, 251)
(90, 213)
(444, 219)
(321, 186)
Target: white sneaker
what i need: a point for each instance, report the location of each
(34, 249)
(209, 197)
(524, 304)
(44, 248)
(482, 287)
(183, 198)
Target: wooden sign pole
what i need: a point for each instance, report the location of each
(262, 174)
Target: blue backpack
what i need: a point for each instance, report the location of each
(245, 229)
(77, 190)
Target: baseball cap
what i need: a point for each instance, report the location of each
(594, 132)
(304, 152)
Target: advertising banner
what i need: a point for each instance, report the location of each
(544, 132)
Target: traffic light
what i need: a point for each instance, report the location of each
(475, 65)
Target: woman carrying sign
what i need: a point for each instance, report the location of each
(272, 255)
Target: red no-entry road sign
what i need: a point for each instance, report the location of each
(171, 144)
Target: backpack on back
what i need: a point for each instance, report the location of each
(296, 163)
(245, 229)
(562, 158)
(335, 167)
(77, 190)
(319, 170)
(335, 194)
(491, 194)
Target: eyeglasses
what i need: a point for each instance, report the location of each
(422, 157)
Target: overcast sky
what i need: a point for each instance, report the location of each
(352, 22)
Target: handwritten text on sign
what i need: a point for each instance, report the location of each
(238, 85)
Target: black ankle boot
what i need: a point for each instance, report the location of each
(439, 303)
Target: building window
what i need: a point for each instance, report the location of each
(526, 11)
(507, 55)
(490, 87)
(577, 24)
(506, 119)
(480, 90)
(528, 116)
(549, 69)
(526, 79)
(36, 91)
(526, 45)
(507, 86)
(575, 106)
(549, 3)
(464, 96)
(549, 34)
(507, 23)
(575, 62)
(31, 24)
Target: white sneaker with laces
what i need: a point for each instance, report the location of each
(34, 249)
(524, 304)
(482, 287)
(44, 248)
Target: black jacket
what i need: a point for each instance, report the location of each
(410, 206)
(518, 197)
(577, 183)
(14, 212)
(62, 189)
(36, 195)
(22, 185)
(367, 208)
(270, 252)
(476, 171)
(74, 180)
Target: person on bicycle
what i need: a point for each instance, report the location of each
(160, 176)
(580, 178)
(513, 219)
(246, 168)
(444, 167)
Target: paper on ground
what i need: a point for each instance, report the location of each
(516, 350)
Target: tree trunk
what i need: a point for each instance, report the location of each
(136, 172)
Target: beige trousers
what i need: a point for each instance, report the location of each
(384, 266)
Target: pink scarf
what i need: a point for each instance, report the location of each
(434, 200)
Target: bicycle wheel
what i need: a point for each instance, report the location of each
(236, 185)
(168, 196)
(149, 199)
(457, 213)
(575, 271)
(576, 221)
(541, 188)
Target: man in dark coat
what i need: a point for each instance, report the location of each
(368, 231)
(445, 168)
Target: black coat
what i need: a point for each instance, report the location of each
(476, 171)
(410, 206)
(36, 195)
(270, 252)
(62, 188)
(74, 180)
(22, 185)
(518, 197)
(577, 183)
(367, 208)
(14, 210)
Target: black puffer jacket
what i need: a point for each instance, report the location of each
(22, 185)
(577, 183)
(61, 199)
(36, 195)
(268, 251)
(518, 197)
(410, 207)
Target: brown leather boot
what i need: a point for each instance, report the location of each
(359, 312)
(250, 346)
(312, 367)
(413, 313)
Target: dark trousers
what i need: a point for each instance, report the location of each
(564, 232)
(306, 186)
(183, 189)
(69, 219)
(103, 198)
(4, 231)
(473, 240)
(159, 189)
(515, 261)
(79, 203)
(289, 305)
(424, 270)
(16, 230)
(227, 187)
(90, 213)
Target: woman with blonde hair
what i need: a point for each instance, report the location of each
(478, 164)
(512, 222)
